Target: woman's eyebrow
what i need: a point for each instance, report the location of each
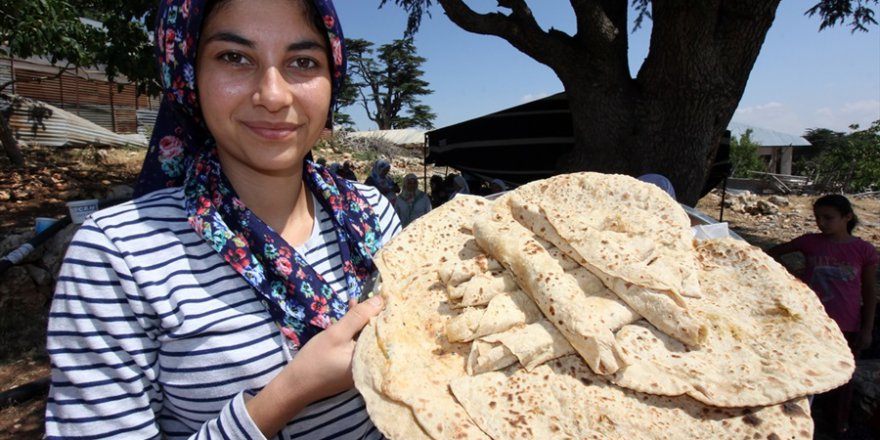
(305, 45)
(230, 37)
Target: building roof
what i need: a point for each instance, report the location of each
(404, 136)
(766, 137)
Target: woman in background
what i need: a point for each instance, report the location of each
(379, 178)
(411, 203)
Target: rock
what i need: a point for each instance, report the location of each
(18, 287)
(778, 200)
(766, 208)
(71, 194)
(120, 192)
(41, 277)
(56, 246)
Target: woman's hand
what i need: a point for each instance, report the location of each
(328, 355)
(322, 368)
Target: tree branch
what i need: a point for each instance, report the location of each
(519, 28)
(61, 71)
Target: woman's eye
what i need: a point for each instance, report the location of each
(232, 58)
(304, 63)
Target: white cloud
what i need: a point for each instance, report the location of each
(798, 119)
(839, 118)
(759, 108)
(773, 116)
(868, 106)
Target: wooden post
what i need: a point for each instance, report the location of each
(112, 109)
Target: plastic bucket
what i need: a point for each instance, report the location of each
(80, 209)
(43, 223)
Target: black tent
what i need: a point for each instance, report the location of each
(517, 145)
(521, 144)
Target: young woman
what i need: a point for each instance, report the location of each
(842, 270)
(222, 303)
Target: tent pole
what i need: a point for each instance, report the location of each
(723, 194)
(425, 165)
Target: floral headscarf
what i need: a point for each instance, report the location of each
(183, 152)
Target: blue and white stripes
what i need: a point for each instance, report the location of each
(152, 333)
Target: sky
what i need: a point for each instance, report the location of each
(802, 79)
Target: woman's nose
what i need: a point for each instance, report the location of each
(273, 91)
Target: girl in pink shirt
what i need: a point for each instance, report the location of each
(842, 270)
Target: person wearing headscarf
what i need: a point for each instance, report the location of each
(411, 203)
(347, 172)
(379, 178)
(460, 185)
(224, 300)
(497, 186)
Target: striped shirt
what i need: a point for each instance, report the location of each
(152, 334)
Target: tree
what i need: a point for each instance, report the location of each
(388, 84)
(669, 118)
(55, 29)
(744, 155)
(844, 162)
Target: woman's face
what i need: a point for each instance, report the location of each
(264, 84)
(411, 185)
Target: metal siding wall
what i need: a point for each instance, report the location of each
(90, 99)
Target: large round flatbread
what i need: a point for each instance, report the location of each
(415, 362)
(769, 341)
(405, 364)
(563, 399)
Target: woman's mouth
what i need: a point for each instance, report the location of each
(271, 130)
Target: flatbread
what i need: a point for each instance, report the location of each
(770, 341)
(577, 316)
(637, 242)
(416, 361)
(503, 312)
(394, 419)
(530, 345)
(563, 399)
(416, 384)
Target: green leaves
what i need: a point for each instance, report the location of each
(836, 12)
(744, 155)
(844, 162)
(388, 84)
(112, 34)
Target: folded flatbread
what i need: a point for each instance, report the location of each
(503, 312)
(530, 345)
(579, 317)
(629, 234)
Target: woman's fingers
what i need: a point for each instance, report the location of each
(357, 317)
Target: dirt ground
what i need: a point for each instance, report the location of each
(53, 176)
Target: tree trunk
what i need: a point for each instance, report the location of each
(670, 118)
(9, 143)
(672, 134)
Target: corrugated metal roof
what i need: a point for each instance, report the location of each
(766, 137)
(65, 128)
(404, 136)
